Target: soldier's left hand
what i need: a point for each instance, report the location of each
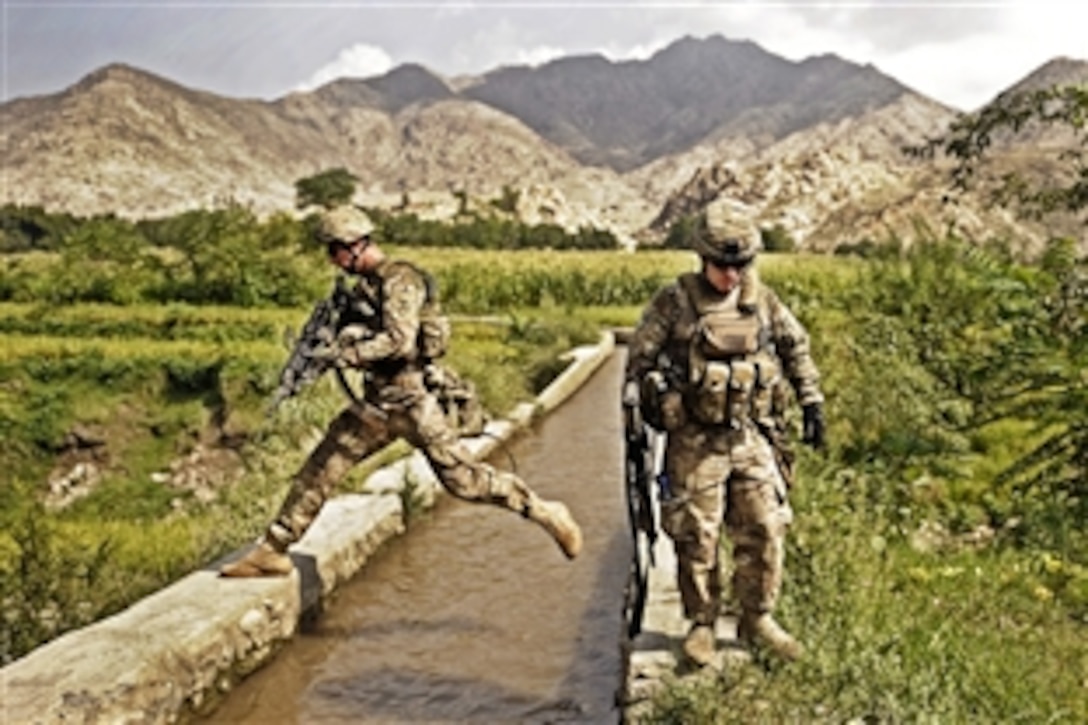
(813, 426)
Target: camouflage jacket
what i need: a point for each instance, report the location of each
(403, 308)
(663, 337)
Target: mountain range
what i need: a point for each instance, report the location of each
(814, 146)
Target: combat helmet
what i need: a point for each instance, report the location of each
(344, 224)
(726, 235)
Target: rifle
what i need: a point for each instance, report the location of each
(328, 317)
(640, 467)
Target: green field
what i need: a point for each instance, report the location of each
(937, 569)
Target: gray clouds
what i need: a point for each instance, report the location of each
(961, 53)
(897, 26)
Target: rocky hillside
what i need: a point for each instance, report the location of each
(1059, 71)
(834, 183)
(814, 146)
(127, 141)
(123, 140)
(848, 181)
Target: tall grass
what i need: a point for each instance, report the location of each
(962, 634)
(927, 584)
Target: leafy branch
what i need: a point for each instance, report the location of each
(971, 140)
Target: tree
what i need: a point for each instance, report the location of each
(970, 142)
(1049, 352)
(104, 259)
(30, 227)
(327, 189)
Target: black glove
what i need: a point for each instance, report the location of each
(813, 427)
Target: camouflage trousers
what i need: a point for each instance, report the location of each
(725, 478)
(403, 408)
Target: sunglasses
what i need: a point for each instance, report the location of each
(728, 265)
(335, 245)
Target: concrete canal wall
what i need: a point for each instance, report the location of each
(179, 650)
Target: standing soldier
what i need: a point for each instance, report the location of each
(710, 363)
(393, 345)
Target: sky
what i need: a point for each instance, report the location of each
(959, 53)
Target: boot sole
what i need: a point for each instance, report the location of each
(573, 548)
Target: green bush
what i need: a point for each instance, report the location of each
(777, 239)
(473, 231)
(223, 256)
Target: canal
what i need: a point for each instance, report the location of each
(474, 615)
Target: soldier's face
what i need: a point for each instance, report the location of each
(350, 257)
(722, 277)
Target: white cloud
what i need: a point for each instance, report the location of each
(937, 71)
(789, 31)
(615, 52)
(640, 51)
(969, 72)
(539, 55)
(358, 61)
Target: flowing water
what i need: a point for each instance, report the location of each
(475, 615)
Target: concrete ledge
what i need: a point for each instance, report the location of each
(180, 649)
(584, 361)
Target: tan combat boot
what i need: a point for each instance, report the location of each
(700, 645)
(262, 560)
(760, 629)
(555, 518)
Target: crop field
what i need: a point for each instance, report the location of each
(937, 569)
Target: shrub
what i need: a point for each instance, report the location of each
(777, 239)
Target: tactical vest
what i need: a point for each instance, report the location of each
(733, 374)
(434, 327)
(433, 339)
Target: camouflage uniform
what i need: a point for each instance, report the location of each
(398, 404)
(396, 333)
(728, 361)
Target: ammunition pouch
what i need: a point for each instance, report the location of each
(662, 407)
(434, 336)
(724, 393)
(772, 394)
(732, 393)
(458, 399)
(710, 399)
